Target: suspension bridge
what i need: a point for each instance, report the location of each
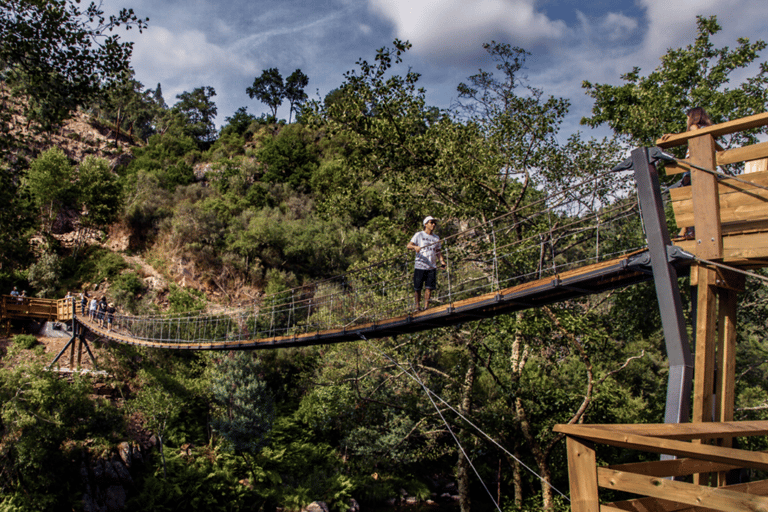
(592, 235)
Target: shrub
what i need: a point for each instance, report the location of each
(24, 341)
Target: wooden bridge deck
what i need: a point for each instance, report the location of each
(616, 273)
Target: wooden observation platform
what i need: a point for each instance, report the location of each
(730, 221)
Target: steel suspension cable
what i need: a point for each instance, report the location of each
(459, 414)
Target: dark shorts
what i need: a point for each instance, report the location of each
(425, 278)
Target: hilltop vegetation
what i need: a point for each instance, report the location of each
(113, 191)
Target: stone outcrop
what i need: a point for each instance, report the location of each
(107, 481)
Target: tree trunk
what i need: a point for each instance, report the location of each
(462, 468)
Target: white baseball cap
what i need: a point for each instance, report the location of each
(429, 218)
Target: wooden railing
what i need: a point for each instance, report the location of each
(31, 307)
(730, 221)
(658, 482)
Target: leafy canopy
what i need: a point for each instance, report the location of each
(59, 55)
(646, 107)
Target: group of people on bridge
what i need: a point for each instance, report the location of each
(99, 311)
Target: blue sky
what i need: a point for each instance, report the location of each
(226, 44)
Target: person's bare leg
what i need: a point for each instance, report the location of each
(427, 295)
(418, 300)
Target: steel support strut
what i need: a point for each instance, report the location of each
(667, 290)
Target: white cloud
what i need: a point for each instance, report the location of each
(168, 55)
(616, 26)
(450, 27)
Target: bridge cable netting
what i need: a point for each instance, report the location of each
(587, 222)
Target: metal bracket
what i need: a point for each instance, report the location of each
(655, 154)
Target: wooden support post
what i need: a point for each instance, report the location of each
(582, 473)
(706, 203)
(79, 352)
(726, 364)
(704, 369)
(72, 354)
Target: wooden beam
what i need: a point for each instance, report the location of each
(672, 467)
(582, 474)
(737, 249)
(677, 431)
(651, 505)
(741, 458)
(690, 494)
(716, 130)
(743, 154)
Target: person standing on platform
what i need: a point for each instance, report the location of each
(92, 308)
(102, 311)
(426, 245)
(110, 315)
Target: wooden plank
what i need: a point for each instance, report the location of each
(652, 505)
(716, 130)
(738, 201)
(677, 431)
(742, 154)
(759, 488)
(706, 204)
(737, 249)
(582, 474)
(672, 467)
(743, 458)
(694, 495)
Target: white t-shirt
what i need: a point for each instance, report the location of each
(426, 258)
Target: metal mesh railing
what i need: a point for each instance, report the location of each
(588, 222)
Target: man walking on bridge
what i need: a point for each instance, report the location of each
(427, 248)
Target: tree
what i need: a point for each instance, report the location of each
(268, 89)
(49, 183)
(238, 123)
(646, 107)
(59, 56)
(248, 409)
(100, 194)
(294, 91)
(130, 107)
(199, 111)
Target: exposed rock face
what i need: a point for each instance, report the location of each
(316, 506)
(104, 481)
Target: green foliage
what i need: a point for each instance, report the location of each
(60, 56)
(49, 183)
(24, 341)
(98, 264)
(646, 107)
(39, 413)
(199, 110)
(270, 89)
(290, 157)
(166, 156)
(130, 108)
(125, 289)
(239, 123)
(99, 192)
(203, 481)
(16, 222)
(45, 274)
(182, 300)
(247, 407)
